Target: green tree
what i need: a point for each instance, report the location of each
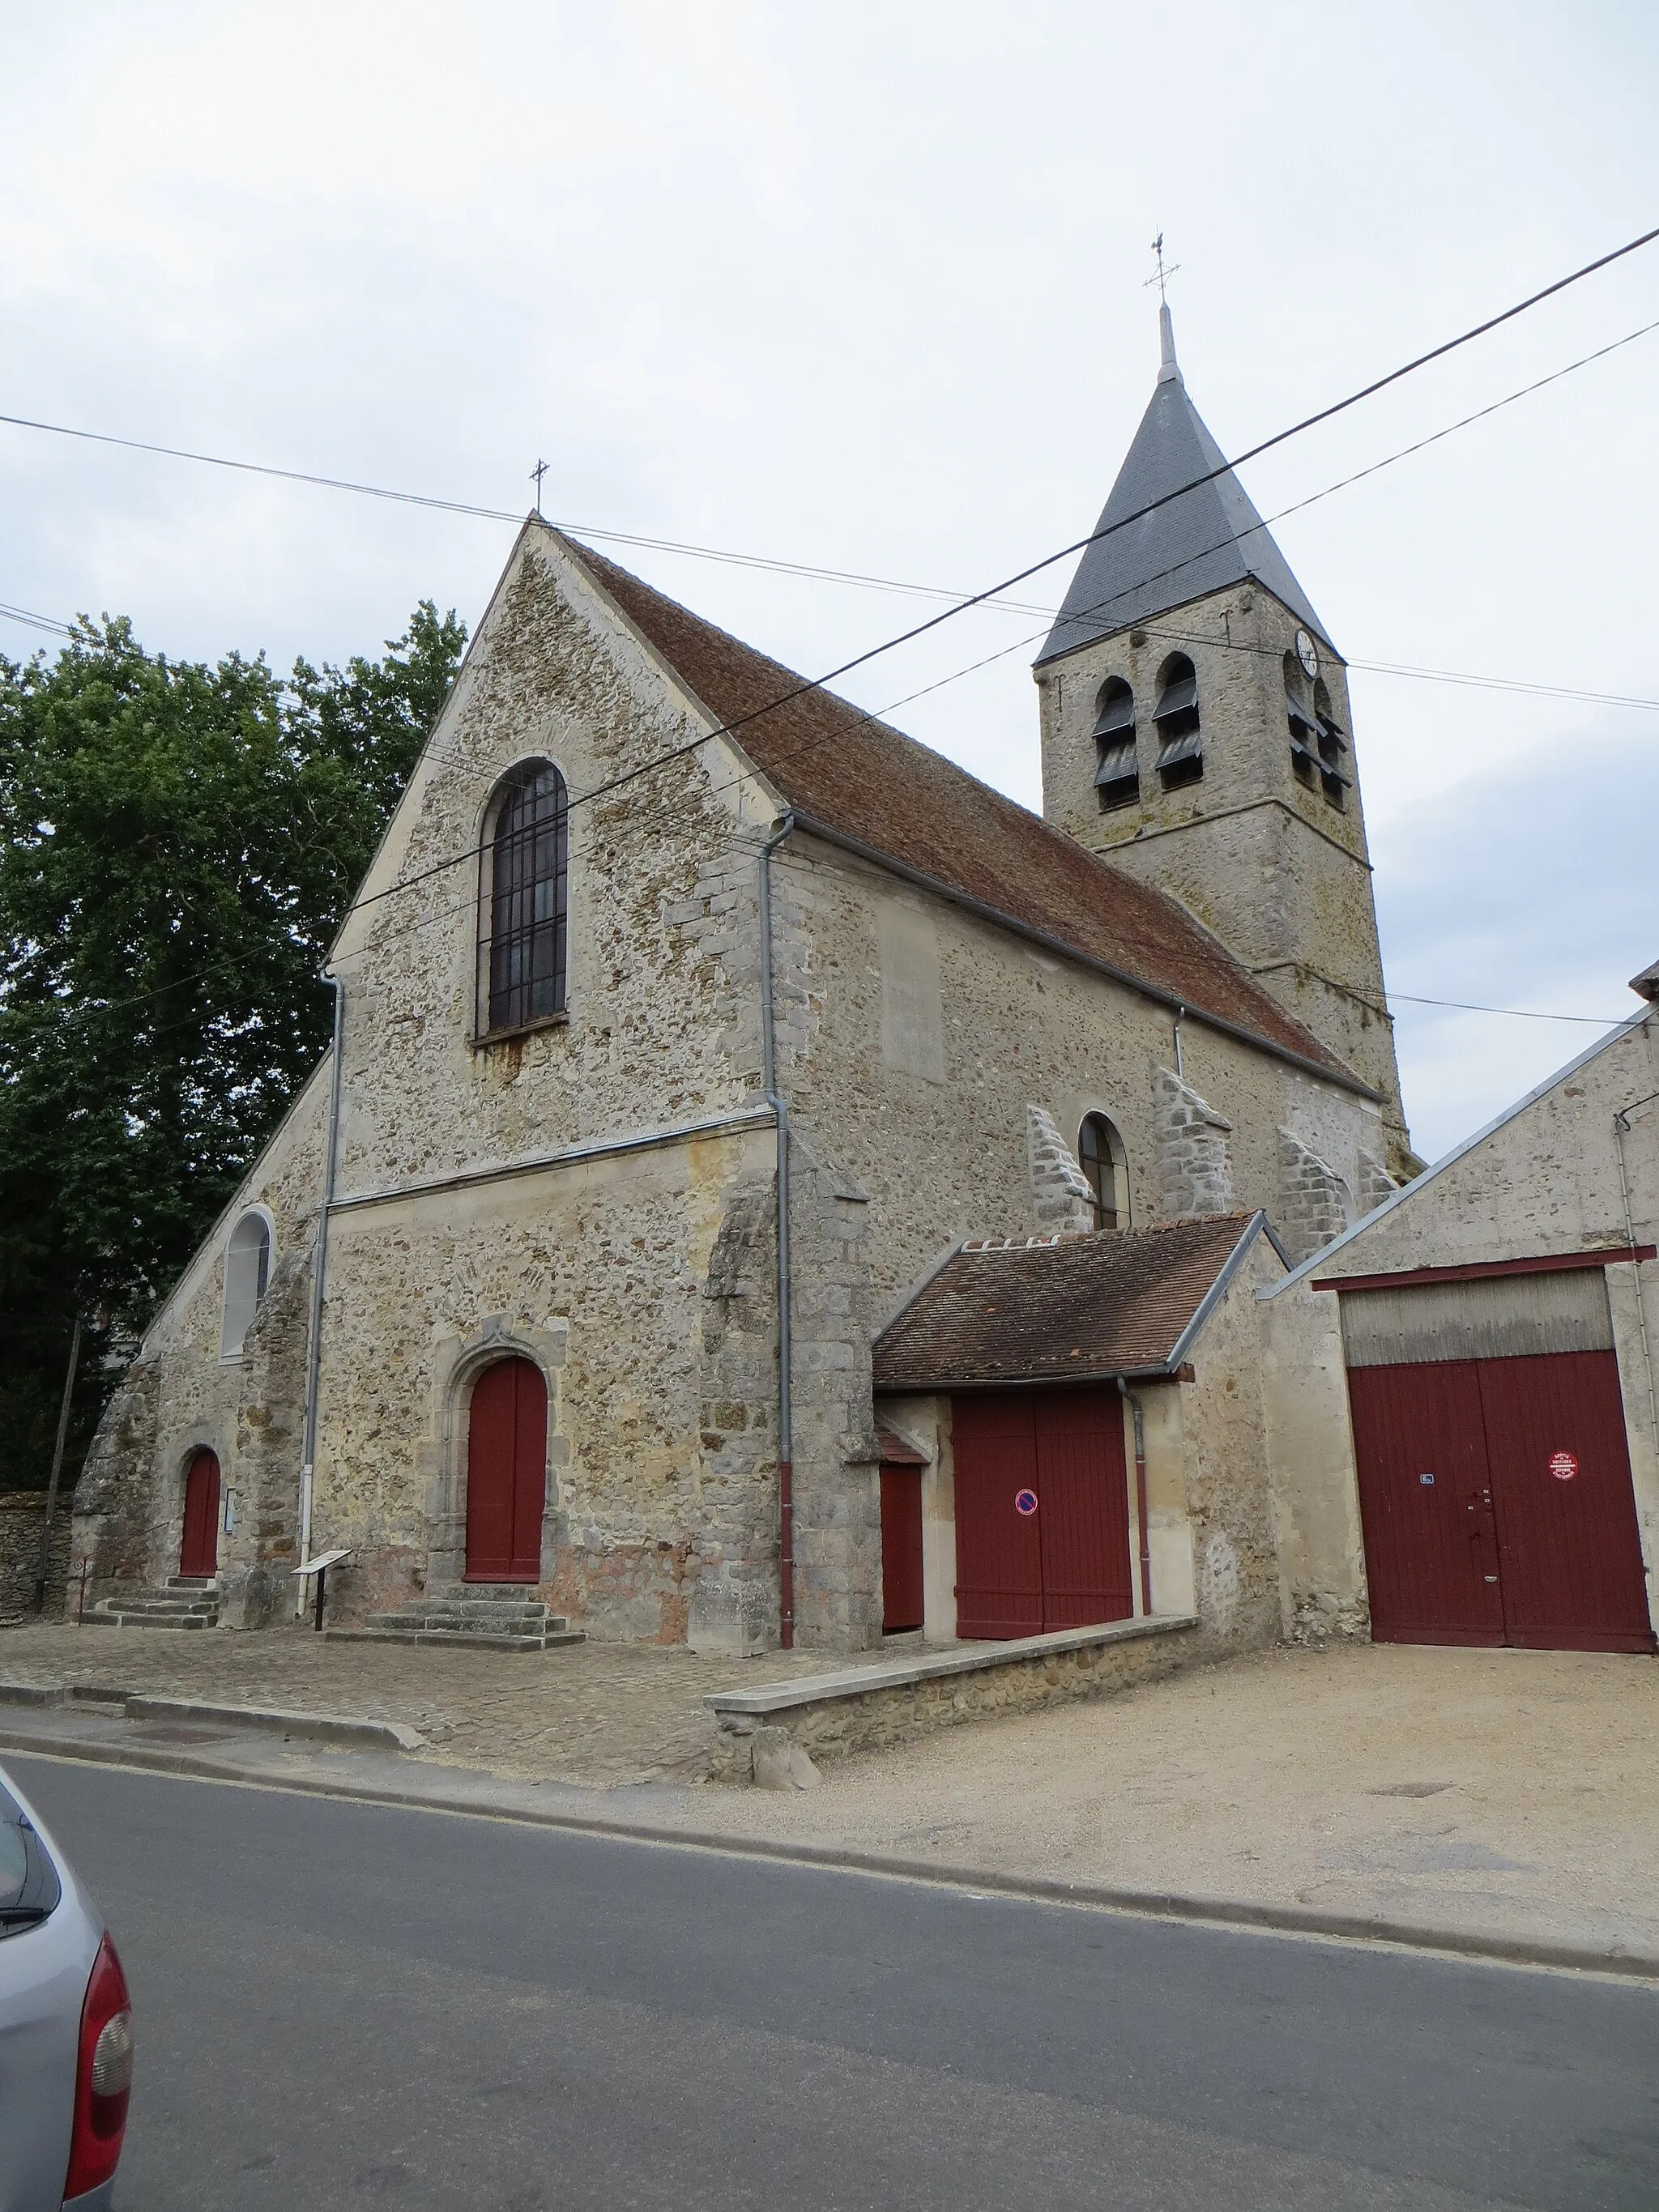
(177, 845)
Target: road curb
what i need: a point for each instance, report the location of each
(1207, 1911)
(321, 1728)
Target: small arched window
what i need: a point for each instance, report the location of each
(1175, 718)
(1117, 779)
(1106, 1169)
(248, 1270)
(521, 951)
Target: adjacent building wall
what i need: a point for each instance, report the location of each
(1544, 1179)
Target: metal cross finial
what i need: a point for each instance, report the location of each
(1163, 273)
(539, 472)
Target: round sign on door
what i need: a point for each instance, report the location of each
(1026, 1502)
(1563, 1465)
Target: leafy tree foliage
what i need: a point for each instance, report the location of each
(178, 844)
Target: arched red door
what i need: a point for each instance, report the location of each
(506, 1473)
(199, 1554)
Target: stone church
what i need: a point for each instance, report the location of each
(751, 1146)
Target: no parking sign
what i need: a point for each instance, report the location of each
(1026, 1502)
(1564, 1466)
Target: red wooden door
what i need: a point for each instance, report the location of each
(1083, 1509)
(198, 1552)
(1042, 1512)
(506, 1473)
(1570, 1552)
(901, 1599)
(999, 1552)
(1430, 1556)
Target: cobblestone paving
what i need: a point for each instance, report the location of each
(598, 1713)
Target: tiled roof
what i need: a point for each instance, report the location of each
(864, 780)
(1064, 1310)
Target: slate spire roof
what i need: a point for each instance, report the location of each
(1209, 539)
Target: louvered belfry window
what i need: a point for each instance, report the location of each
(528, 881)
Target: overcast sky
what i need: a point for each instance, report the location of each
(863, 287)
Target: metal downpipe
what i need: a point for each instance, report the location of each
(775, 1100)
(1133, 1402)
(318, 1270)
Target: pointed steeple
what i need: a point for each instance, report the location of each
(1206, 540)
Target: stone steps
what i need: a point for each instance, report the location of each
(474, 1616)
(188, 1601)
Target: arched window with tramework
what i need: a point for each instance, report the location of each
(523, 892)
(1175, 720)
(1105, 1167)
(248, 1270)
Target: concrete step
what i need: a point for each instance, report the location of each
(413, 1622)
(198, 1585)
(456, 1639)
(435, 1613)
(98, 1618)
(497, 1593)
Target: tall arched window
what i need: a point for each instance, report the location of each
(1175, 718)
(248, 1270)
(521, 965)
(1117, 779)
(1105, 1165)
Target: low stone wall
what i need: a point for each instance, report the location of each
(21, 1512)
(874, 1708)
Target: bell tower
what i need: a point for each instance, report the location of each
(1196, 732)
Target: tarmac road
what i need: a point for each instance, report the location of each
(349, 2005)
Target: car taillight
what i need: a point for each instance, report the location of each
(103, 2076)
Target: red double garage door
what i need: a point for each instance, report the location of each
(1495, 1495)
(1041, 1510)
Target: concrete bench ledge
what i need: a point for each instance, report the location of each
(936, 1664)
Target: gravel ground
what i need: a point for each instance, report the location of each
(1485, 1790)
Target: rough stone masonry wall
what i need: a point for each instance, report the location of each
(179, 1394)
(1282, 877)
(1060, 1196)
(21, 1514)
(931, 1114)
(881, 1719)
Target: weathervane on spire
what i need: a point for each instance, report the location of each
(1163, 274)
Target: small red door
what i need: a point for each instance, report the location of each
(902, 1601)
(1425, 1504)
(199, 1554)
(1570, 1548)
(506, 1473)
(999, 1551)
(1042, 1512)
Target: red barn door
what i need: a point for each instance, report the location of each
(1043, 1511)
(999, 1551)
(506, 1473)
(199, 1554)
(1424, 1504)
(1569, 1550)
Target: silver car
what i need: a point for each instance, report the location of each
(66, 2027)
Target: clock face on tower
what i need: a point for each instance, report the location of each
(1306, 653)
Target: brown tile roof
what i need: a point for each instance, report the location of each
(841, 767)
(1069, 1309)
